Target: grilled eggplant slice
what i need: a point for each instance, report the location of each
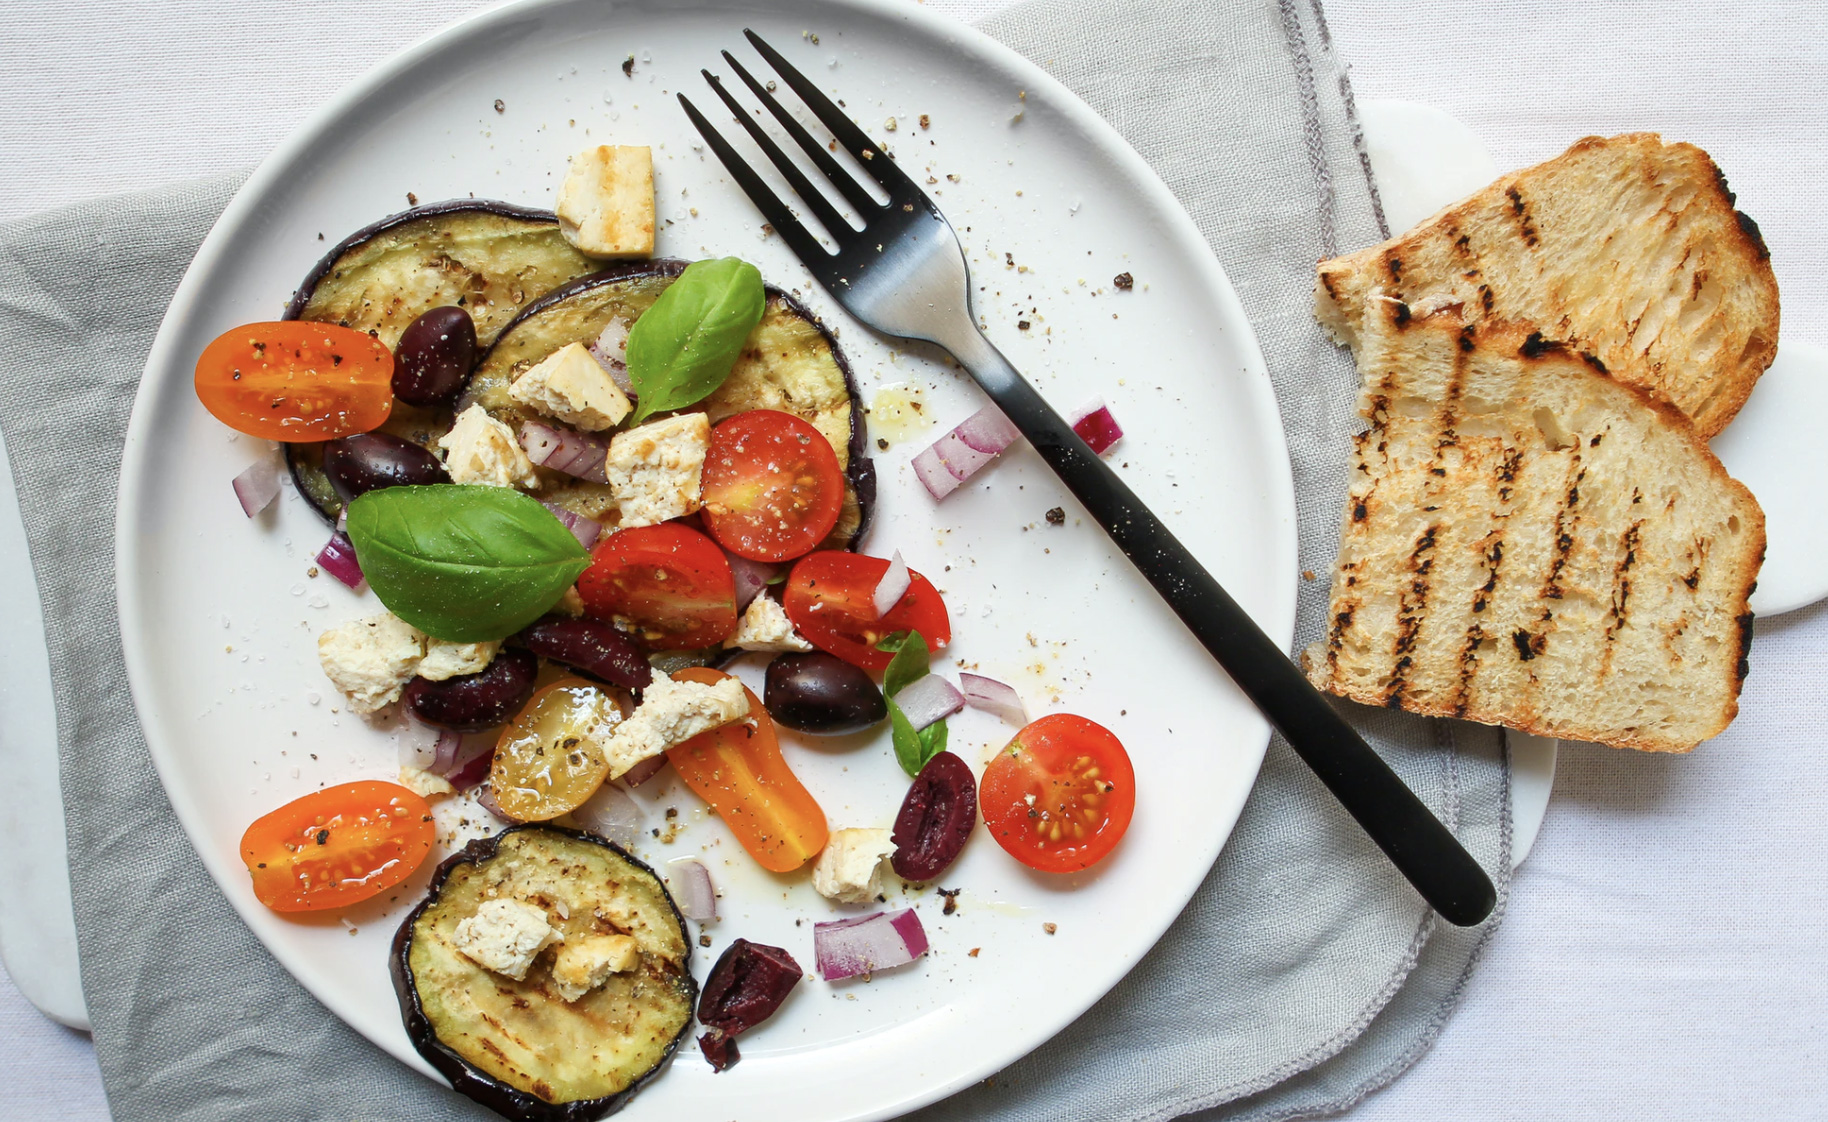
(519, 1048)
(490, 258)
(792, 363)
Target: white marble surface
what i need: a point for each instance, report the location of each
(1664, 956)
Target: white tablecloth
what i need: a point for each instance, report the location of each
(1666, 952)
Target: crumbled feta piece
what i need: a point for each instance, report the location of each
(583, 964)
(849, 868)
(505, 936)
(480, 449)
(371, 659)
(445, 659)
(672, 713)
(765, 627)
(425, 784)
(656, 471)
(570, 604)
(571, 385)
(606, 204)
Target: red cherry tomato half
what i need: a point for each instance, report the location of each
(337, 846)
(772, 486)
(671, 582)
(1060, 796)
(831, 600)
(296, 381)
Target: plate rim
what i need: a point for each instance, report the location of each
(159, 372)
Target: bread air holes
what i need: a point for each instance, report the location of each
(1554, 433)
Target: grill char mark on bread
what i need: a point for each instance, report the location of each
(1628, 248)
(1500, 559)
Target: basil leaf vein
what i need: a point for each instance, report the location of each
(463, 563)
(684, 346)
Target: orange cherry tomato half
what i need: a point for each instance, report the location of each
(772, 486)
(296, 381)
(830, 598)
(337, 846)
(671, 582)
(1060, 796)
(739, 770)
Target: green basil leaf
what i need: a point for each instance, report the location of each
(463, 563)
(892, 642)
(932, 741)
(909, 749)
(683, 347)
(909, 664)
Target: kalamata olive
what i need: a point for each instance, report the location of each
(744, 989)
(474, 702)
(821, 694)
(433, 358)
(369, 461)
(591, 647)
(936, 819)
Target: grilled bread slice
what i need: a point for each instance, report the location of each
(1627, 247)
(1530, 542)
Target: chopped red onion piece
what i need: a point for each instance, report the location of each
(893, 586)
(472, 769)
(418, 744)
(611, 814)
(1095, 425)
(956, 456)
(611, 352)
(258, 486)
(644, 771)
(444, 757)
(485, 798)
(927, 699)
(338, 559)
(691, 884)
(584, 529)
(993, 696)
(577, 454)
(849, 947)
(751, 578)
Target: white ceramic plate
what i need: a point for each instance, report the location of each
(219, 617)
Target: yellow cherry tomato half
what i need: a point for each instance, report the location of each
(296, 381)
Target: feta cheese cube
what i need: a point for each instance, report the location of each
(672, 713)
(371, 659)
(505, 936)
(445, 659)
(424, 784)
(849, 868)
(606, 204)
(656, 471)
(571, 385)
(480, 449)
(585, 963)
(570, 604)
(765, 627)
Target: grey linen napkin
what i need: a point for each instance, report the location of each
(1304, 974)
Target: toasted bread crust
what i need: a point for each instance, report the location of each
(1502, 562)
(1625, 246)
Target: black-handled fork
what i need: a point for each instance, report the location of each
(904, 275)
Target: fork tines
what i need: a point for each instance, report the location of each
(869, 154)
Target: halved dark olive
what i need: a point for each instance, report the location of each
(369, 461)
(822, 694)
(591, 647)
(936, 819)
(432, 361)
(474, 702)
(744, 989)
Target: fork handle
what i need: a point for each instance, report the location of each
(1422, 849)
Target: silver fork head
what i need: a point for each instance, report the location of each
(903, 273)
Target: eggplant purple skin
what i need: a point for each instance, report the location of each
(510, 1102)
(302, 295)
